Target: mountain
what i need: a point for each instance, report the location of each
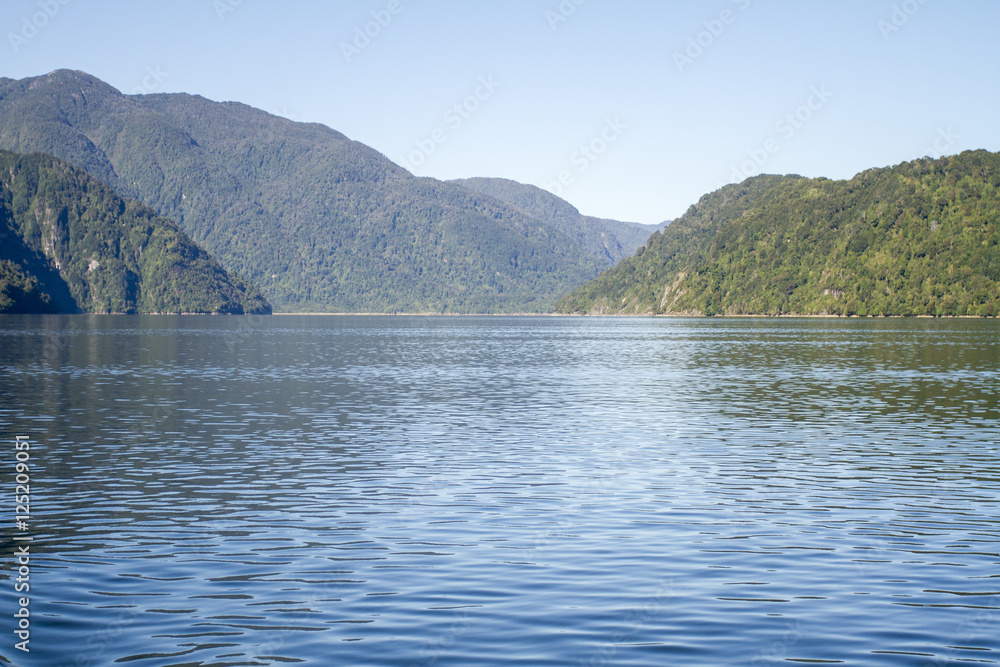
(315, 220)
(70, 244)
(608, 241)
(920, 238)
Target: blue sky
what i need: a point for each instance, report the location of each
(630, 109)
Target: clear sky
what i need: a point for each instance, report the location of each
(629, 109)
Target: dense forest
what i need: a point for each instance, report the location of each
(70, 244)
(609, 241)
(315, 220)
(319, 222)
(920, 238)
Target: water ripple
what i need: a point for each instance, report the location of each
(559, 491)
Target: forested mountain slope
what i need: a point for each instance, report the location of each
(70, 244)
(609, 241)
(920, 238)
(315, 220)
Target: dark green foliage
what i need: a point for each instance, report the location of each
(317, 221)
(21, 292)
(70, 244)
(608, 241)
(920, 238)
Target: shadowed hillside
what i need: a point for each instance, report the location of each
(69, 244)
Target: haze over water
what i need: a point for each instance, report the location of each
(496, 490)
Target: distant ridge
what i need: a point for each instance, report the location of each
(318, 222)
(609, 241)
(69, 244)
(920, 238)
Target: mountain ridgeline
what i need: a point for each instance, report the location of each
(920, 238)
(70, 244)
(318, 222)
(610, 241)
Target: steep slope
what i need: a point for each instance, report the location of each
(317, 221)
(920, 238)
(69, 244)
(608, 241)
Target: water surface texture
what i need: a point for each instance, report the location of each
(502, 490)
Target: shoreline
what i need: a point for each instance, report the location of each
(578, 315)
(649, 315)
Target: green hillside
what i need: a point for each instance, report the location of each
(70, 244)
(608, 241)
(920, 238)
(315, 220)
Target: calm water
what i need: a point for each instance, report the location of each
(479, 491)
